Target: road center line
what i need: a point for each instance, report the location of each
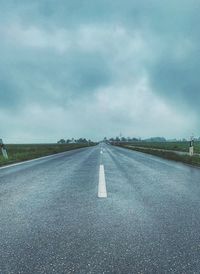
(102, 193)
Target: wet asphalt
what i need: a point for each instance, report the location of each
(51, 220)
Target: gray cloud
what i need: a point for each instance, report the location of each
(116, 59)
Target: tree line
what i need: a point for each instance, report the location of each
(75, 141)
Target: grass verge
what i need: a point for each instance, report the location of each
(20, 153)
(176, 146)
(191, 160)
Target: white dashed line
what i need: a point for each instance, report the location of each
(102, 193)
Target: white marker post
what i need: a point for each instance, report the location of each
(3, 149)
(191, 147)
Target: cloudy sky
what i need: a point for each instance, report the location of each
(95, 68)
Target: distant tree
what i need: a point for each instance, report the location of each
(82, 140)
(61, 141)
(156, 139)
(172, 140)
(123, 139)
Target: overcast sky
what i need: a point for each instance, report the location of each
(95, 68)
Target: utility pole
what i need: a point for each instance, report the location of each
(191, 147)
(3, 149)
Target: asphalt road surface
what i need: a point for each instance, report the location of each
(52, 221)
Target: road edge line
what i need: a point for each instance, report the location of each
(37, 159)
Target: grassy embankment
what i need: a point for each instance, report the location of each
(165, 150)
(18, 153)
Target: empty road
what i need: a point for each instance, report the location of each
(52, 220)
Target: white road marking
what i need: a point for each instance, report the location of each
(102, 193)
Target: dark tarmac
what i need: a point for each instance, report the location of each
(51, 220)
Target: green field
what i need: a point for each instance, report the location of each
(167, 152)
(177, 146)
(18, 153)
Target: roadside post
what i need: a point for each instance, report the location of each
(3, 149)
(191, 147)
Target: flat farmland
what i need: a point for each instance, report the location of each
(177, 151)
(23, 152)
(176, 146)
